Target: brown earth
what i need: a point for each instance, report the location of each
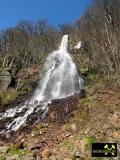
(70, 127)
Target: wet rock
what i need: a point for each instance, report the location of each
(46, 153)
(59, 109)
(5, 79)
(59, 112)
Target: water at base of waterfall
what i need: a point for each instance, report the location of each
(60, 80)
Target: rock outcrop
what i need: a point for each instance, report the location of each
(5, 79)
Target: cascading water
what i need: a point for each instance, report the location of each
(60, 80)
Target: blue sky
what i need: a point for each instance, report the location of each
(55, 11)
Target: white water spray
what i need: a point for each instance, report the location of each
(60, 80)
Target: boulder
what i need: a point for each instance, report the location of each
(5, 79)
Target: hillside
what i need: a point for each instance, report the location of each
(70, 127)
(56, 99)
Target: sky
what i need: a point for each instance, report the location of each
(55, 11)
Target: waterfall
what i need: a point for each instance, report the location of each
(60, 80)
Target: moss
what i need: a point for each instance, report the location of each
(88, 100)
(34, 83)
(41, 126)
(85, 101)
(26, 86)
(89, 140)
(16, 152)
(2, 157)
(8, 97)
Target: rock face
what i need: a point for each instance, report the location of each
(5, 79)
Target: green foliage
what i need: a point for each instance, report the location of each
(14, 153)
(18, 152)
(34, 84)
(89, 140)
(85, 101)
(8, 97)
(69, 145)
(2, 157)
